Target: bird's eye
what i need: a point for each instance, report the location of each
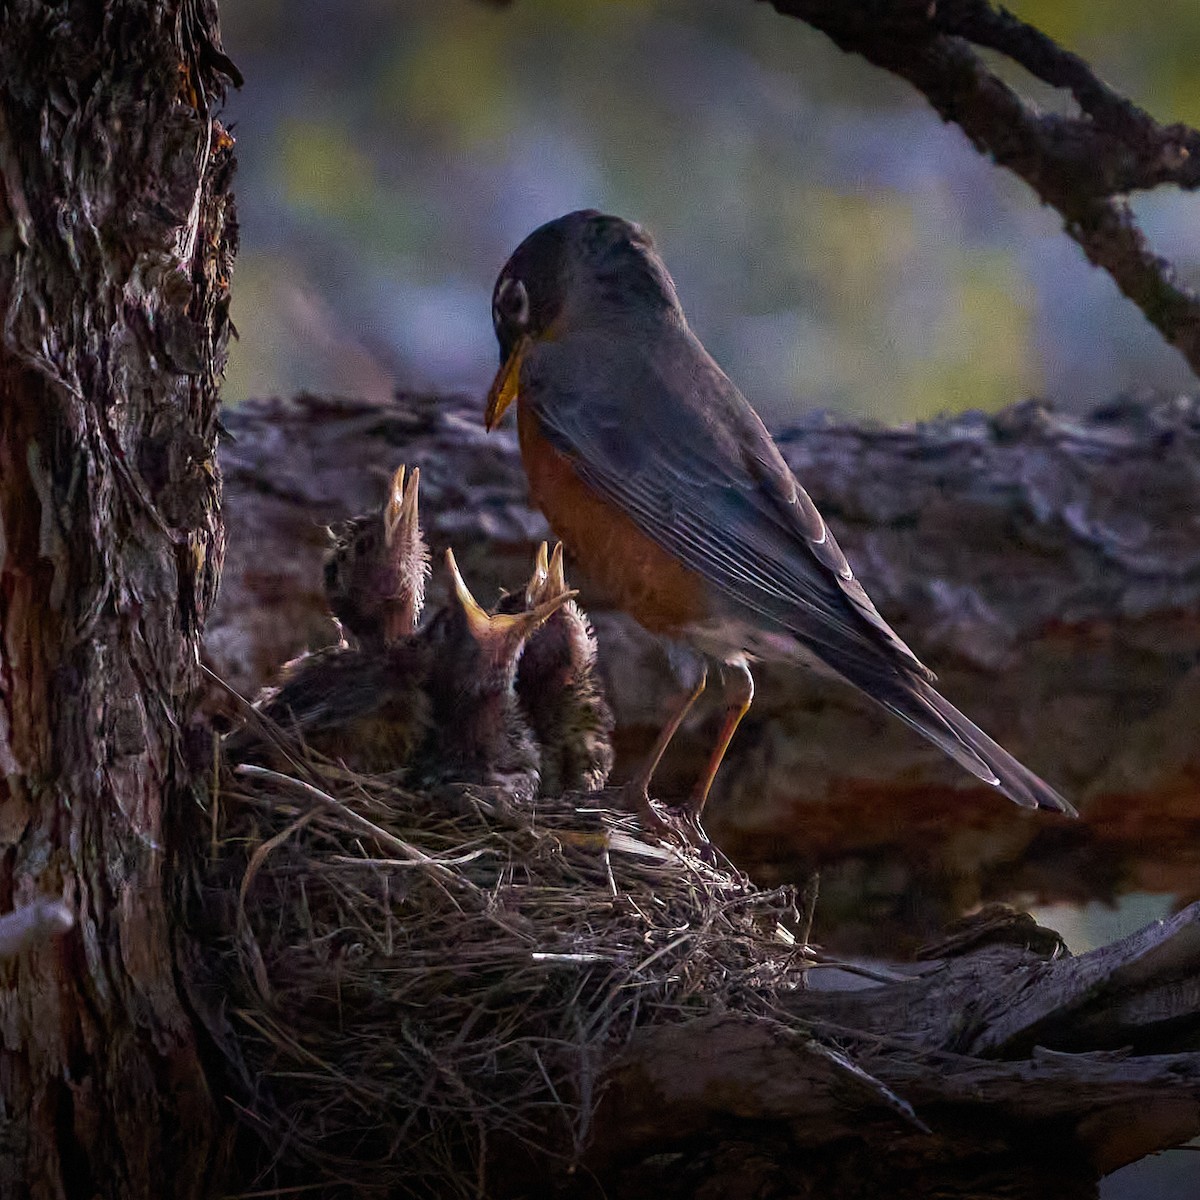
(511, 305)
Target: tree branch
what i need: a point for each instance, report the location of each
(1083, 166)
(1055, 1069)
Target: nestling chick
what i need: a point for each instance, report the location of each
(375, 574)
(370, 709)
(438, 705)
(559, 688)
(482, 734)
(375, 585)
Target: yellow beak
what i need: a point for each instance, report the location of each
(504, 387)
(499, 632)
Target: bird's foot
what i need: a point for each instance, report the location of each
(687, 820)
(675, 825)
(637, 799)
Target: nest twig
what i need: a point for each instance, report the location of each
(421, 986)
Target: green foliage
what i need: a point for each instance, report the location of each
(321, 169)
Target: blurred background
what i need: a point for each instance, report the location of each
(835, 245)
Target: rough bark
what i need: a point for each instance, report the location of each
(116, 242)
(1093, 1067)
(1042, 564)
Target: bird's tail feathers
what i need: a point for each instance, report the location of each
(924, 709)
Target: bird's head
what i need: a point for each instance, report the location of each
(376, 570)
(572, 273)
(564, 648)
(486, 647)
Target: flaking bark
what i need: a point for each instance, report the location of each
(116, 243)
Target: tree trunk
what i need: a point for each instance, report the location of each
(116, 242)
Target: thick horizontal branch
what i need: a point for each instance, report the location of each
(1083, 166)
(951, 1044)
(1038, 562)
(1002, 999)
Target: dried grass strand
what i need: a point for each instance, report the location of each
(416, 981)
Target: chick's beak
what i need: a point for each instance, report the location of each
(500, 634)
(400, 508)
(536, 587)
(556, 579)
(504, 387)
(478, 621)
(548, 580)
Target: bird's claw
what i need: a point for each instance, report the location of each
(679, 827)
(637, 799)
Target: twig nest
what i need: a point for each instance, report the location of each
(419, 986)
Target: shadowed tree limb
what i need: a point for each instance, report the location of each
(1093, 1067)
(1083, 166)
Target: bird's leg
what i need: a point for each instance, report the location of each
(738, 687)
(638, 788)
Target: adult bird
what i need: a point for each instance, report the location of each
(666, 486)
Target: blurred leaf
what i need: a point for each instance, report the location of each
(453, 79)
(859, 239)
(322, 169)
(981, 345)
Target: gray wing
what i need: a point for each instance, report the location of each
(713, 490)
(707, 483)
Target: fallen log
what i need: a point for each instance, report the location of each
(1046, 566)
(1042, 1071)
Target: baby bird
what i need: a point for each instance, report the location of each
(375, 587)
(369, 709)
(439, 704)
(559, 689)
(375, 574)
(482, 732)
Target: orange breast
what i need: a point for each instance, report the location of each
(639, 575)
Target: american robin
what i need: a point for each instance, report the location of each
(439, 705)
(376, 571)
(559, 688)
(665, 484)
(370, 710)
